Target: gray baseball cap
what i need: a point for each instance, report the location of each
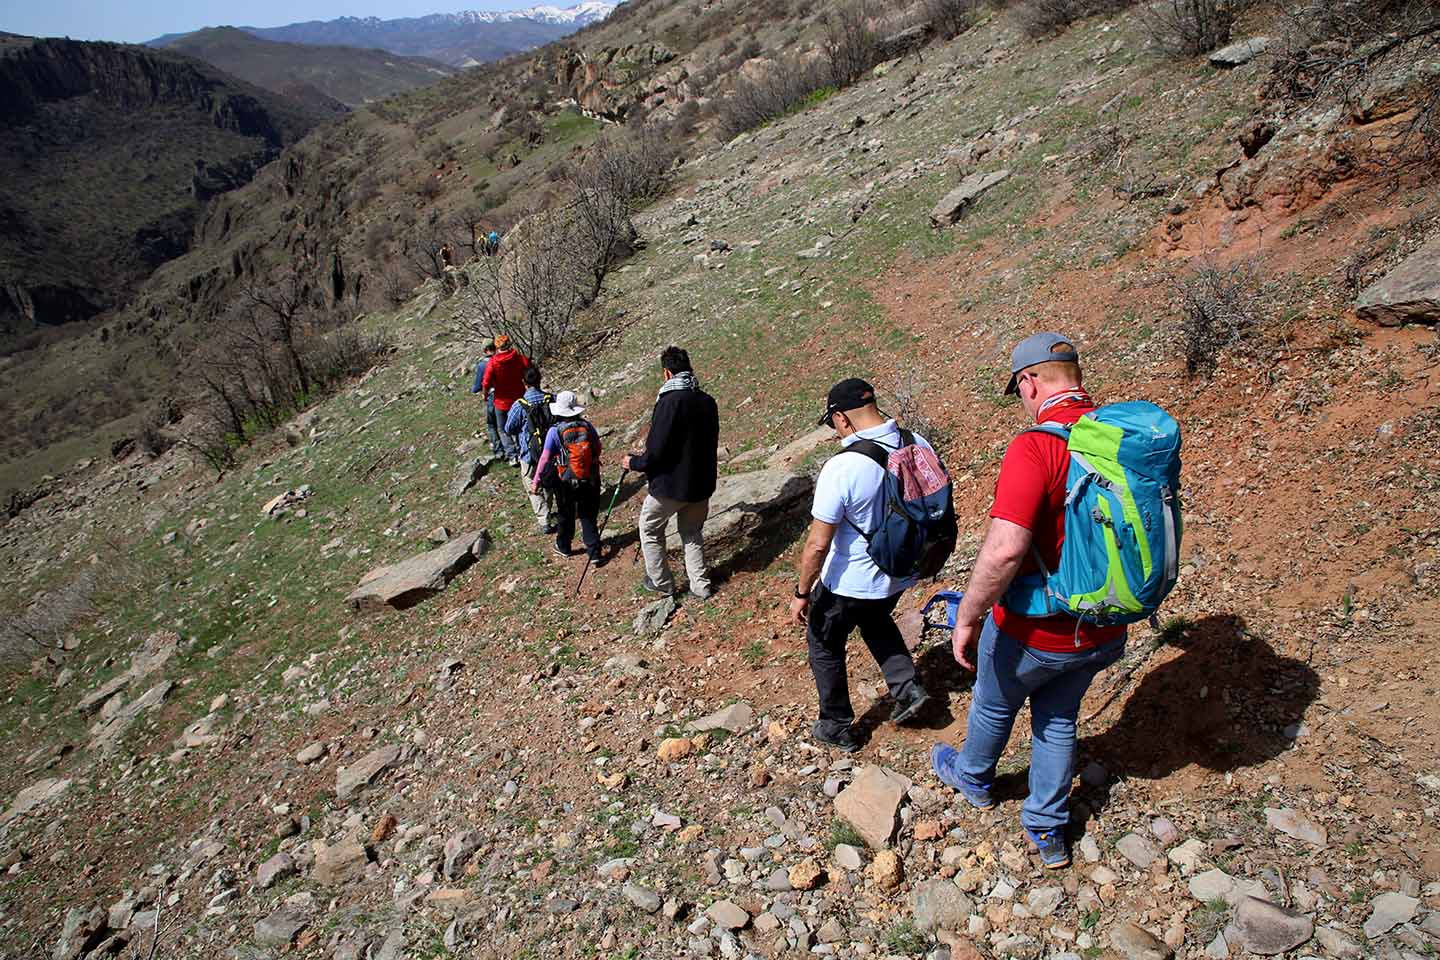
(1039, 348)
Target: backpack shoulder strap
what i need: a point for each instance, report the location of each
(1054, 429)
(877, 452)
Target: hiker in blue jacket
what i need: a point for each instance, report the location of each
(492, 416)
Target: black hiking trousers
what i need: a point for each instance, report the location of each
(577, 503)
(831, 621)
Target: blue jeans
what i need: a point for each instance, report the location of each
(492, 424)
(1055, 683)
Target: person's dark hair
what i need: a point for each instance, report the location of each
(489, 347)
(675, 360)
(531, 376)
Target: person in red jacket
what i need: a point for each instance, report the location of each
(505, 375)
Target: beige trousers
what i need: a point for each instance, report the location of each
(655, 514)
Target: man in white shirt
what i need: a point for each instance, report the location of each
(840, 586)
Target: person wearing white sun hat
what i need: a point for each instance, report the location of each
(570, 466)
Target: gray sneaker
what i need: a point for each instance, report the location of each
(705, 594)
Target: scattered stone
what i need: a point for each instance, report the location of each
(108, 732)
(276, 868)
(1388, 911)
(338, 864)
(1137, 943)
(939, 905)
(310, 753)
(646, 901)
(1089, 849)
(1267, 929)
(468, 474)
(384, 827)
(1337, 944)
(458, 851)
(1240, 53)
(886, 871)
(952, 206)
(928, 830)
(404, 584)
(279, 928)
(653, 617)
(1137, 850)
(832, 931)
(871, 804)
(1164, 830)
(674, 748)
(1212, 885)
(1043, 901)
(736, 718)
(847, 857)
(727, 916)
(1295, 824)
(1188, 855)
(360, 774)
(805, 875)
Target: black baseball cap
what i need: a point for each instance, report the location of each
(851, 394)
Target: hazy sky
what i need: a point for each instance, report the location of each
(135, 21)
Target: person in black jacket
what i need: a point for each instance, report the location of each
(680, 464)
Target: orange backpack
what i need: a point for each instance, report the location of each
(577, 465)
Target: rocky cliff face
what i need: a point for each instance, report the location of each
(111, 152)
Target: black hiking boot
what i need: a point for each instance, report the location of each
(910, 704)
(843, 739)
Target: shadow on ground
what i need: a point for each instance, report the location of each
(1223, 704)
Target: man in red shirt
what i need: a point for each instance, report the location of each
(1048, 660)
(505, 374)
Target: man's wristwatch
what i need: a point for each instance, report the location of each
(799, 595)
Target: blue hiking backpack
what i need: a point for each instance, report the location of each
(1120, 556)
(917, 531)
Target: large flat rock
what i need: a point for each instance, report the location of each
(967, 191)
(108, 731)
(744, 503)
(871, 804)
(1408, 294)
(35, 796)
(1239, 53)
(406, 583)
(358, 775)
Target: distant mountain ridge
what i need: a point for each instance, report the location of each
(456, 39)
(321, 76)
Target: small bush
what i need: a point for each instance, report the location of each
(950, 18)
(1188, 28)
(1041, 18)
(1219, 310)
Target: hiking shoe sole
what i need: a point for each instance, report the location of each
(942, 756)
(904, 711)
(845, 743)
(567, 554)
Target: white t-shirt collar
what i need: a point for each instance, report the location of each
(871, 433)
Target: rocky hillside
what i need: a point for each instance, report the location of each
(111, 154)
(321, 77)
(342, 703)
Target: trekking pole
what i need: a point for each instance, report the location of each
(603, 524)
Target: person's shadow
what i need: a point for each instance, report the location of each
(1223, 704)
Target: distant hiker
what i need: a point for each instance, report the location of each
(680, 463)
(492, 243)
(504, 374)
(492, 419)
(1029, 647)
(570, 466)
(530, 420)
(447, 257)
(843, 586)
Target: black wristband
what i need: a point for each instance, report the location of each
(799, 595)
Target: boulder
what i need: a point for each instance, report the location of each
(279, 928)
(727, 916)
(952, 206)
(644, 900)
(83, 930)
(653, 617)
(1388, 911)
(1134, 942)
(1239, 53)
(744, 503)
(939, 905)
(871, 804)
(470, 473)
(32, 797)
(108, 732)
(736, 718)
(1268, 930)
(350, 780)
(339, 863)
(276, 868)
(406, 583)
(157, 651)
(789, 456)
(1410, 293)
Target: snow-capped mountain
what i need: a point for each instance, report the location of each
(459, 39)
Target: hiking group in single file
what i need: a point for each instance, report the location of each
(1083, 540)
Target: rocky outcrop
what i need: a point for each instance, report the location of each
(405, 584)
(746, 503)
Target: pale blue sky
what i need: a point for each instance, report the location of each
(135, 21)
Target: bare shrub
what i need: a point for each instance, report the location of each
(153, 436)
(909, 410)
(633, 164)
(950, 18)
(850, 42)
(46, 620)
(1220, 309)
(1041, 18)
(776, 90)
(1188, 28)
